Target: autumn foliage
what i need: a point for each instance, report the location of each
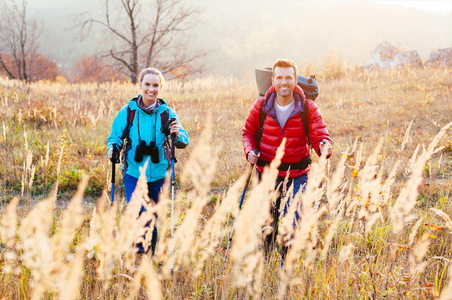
(93, 69)
(38, 68)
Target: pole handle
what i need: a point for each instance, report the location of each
(173, 135)
(114, 160)
(115, 155)
(173, 138)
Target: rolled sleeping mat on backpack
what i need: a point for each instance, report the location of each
(264, 80)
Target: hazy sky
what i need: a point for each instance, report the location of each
(444, 6)
(242, 33)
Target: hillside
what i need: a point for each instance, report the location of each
(375, 217)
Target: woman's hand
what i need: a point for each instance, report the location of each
(174, 128)
(110, 153)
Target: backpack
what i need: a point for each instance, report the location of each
(309, 87)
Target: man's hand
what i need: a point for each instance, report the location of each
(326, 147)
(253, 157)
(174, 129)
(110, 153)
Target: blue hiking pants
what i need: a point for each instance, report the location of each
(154, 189)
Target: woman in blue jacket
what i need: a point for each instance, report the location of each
(141, 124)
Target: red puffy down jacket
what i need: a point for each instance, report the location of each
(297, 147)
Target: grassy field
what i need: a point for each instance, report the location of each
(383, 228)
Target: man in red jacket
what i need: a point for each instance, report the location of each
(283, 105)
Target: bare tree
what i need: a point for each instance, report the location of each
(18, 40)
(149, 33)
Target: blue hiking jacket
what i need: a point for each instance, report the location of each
(149, 125)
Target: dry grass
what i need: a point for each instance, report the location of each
(383, 228)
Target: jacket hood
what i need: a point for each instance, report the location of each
(270, 98)
(133, 103)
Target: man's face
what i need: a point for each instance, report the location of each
(284, 80)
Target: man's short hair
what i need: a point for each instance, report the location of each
(285, 63)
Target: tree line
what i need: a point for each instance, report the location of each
(137, 34)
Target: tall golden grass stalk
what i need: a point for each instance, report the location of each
(246, 249)
(47, 254)
(402, 209)
(8, 230)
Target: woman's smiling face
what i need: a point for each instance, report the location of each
(150, 86)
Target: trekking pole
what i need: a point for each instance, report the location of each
(247, 182)
(114, 160)
(173, 161)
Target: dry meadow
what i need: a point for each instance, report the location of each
(376, 218)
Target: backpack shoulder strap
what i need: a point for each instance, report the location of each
(305, 120)
(130, 117)
(164, 116)
(262, 116)
(165, 124)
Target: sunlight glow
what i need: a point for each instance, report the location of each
(443, 7)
